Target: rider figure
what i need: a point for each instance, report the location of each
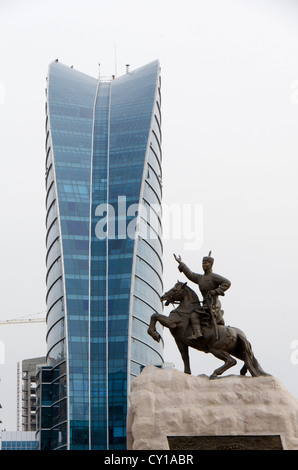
(211, 286)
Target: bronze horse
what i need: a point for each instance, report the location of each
(223, 343)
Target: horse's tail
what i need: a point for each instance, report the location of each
(250, 361)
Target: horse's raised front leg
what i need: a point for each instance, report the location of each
(229, 361)
(183, 348)
(163, 320)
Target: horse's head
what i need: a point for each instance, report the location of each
(176, 294)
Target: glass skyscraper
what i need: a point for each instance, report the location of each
(104, 251)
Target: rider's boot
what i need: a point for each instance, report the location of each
(196, 326)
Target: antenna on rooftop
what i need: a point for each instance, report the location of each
(115, 54)
(99, 71)
(18, 396)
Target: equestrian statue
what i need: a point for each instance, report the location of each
(200, 324)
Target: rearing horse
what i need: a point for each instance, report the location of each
(227, 342)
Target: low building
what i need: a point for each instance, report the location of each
(18, 440)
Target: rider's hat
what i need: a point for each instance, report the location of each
(209, 258)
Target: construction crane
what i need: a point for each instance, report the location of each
(24, 320)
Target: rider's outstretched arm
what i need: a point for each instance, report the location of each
(194, 277)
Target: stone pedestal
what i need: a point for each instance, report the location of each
(169, 403)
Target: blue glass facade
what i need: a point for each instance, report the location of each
(104, 249)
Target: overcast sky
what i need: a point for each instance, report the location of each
(230, 147)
